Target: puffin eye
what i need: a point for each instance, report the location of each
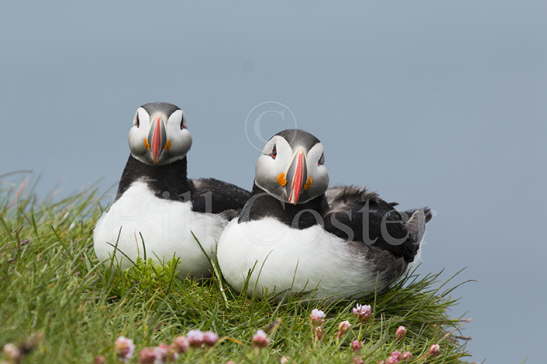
(273, 154)
(321, 160)
(137, 121)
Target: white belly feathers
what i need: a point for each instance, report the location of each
(165, 227)
(282, 258)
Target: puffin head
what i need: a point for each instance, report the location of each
(159, 134)
(292, 168)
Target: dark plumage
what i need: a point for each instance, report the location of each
(360, 215)
(212, 195)
(297, 137)
(170, 182)
(300, 216)
(164, 107)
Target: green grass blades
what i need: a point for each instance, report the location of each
(62, 306)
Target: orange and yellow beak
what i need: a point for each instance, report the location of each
(295, 181)
(157, 140)
(297, 175)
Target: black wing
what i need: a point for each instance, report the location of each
(214, 196)
(359, 215)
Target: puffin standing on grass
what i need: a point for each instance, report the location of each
(157, 208)
(296, 236)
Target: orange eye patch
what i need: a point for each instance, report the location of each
(308, 183)
(282, 179)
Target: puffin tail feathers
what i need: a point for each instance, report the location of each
(416, 225)
(427, 212)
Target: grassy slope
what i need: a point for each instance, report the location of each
(53, 284)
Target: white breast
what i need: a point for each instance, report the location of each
(165, 227)
(285, 259)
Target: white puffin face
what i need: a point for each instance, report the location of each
(159, 134)
(290, 171)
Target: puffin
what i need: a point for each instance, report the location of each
(158, 212)
(297, 236)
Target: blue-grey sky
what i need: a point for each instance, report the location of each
(441, 103)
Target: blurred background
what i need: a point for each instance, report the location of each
(432, 103)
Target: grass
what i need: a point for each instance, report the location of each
(52, 285)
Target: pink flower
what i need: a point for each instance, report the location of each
(284, 360)
(317, 317)
(396, 355)
(165, 353)
(210, 338)
(343, 327)
(358, 360)
(195, 338)
(147, 356)
(181, 344)
(158, 355)
(362, 312)
(400, 332)
(230, 362)
(356, 345)
(407, 355)
(12, 352)
(99, 359)
(124, 348)
(161, 353)
(260, 339)
(434, 350)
